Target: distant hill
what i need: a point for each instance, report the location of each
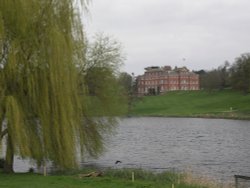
(216, 104)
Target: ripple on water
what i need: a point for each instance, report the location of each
(216, 148)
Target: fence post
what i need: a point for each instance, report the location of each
(133, 176)
(236, 181)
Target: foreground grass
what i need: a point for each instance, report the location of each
(111, 178)
(216, 104)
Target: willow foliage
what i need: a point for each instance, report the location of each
(43, 105)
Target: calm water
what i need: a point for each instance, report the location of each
(214, 148)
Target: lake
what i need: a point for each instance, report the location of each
(214, 148)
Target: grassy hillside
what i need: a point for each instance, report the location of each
(225, 104)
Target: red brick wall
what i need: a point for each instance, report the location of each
(167, 81)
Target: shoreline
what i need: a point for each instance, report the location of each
(204, 116)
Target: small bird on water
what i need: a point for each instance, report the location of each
(117, 162)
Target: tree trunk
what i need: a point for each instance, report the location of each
(9, 158)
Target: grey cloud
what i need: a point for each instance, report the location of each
(159, 32)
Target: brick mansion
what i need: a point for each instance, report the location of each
(157, 80)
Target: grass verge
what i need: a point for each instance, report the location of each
(112, 178)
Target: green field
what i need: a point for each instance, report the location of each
(110, 179)
(216, 104)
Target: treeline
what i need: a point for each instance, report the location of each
(235, 75)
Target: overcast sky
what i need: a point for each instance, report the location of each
(199, 34)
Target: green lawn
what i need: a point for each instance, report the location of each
(113, 178)
(227, 104)
(38, 181)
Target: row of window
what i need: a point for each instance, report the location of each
(162, 89)
(167, 82)
(162, 77)
(148, 77)
(158, 73)
(154, 73)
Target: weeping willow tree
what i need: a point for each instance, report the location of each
(43, 101)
